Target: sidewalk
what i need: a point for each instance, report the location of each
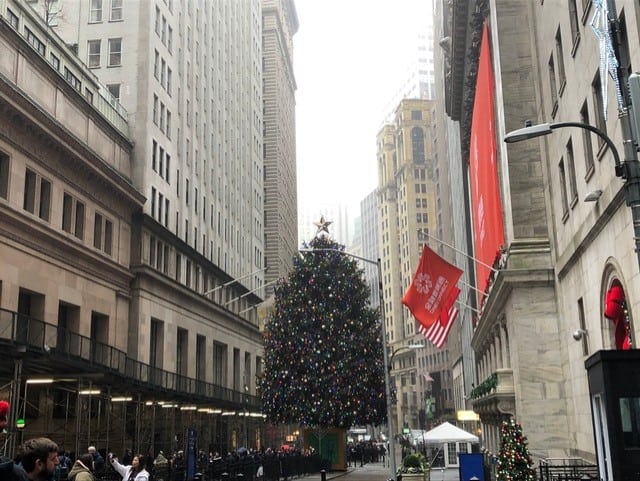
(378, 472)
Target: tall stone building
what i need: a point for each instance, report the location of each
(280, 23)
(563, 252)
(67, 201)
(407, 214)
(186, 79)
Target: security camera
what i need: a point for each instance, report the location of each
(578, 334)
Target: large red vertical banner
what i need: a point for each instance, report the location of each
(488, 229)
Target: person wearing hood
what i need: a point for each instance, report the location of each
(9, 471)
(82, 469)
(135, 472)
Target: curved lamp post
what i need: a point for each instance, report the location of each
(629, 170)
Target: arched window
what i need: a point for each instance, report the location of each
(417, 144)
(616, 319)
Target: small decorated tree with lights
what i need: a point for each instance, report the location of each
(323, 365)
(514, 460)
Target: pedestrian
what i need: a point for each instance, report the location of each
(82, 469)
(9, 471)
(38, 459)
(135, 472)
(98, 460)
(161, 467)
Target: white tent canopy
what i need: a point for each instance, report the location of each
(448, 433)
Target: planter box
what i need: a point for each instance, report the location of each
(426, 476)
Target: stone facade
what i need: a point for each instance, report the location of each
(561, 254)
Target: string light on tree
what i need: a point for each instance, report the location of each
(514, 460)
(323, 362)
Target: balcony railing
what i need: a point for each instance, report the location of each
(495, 395)
(40, 336)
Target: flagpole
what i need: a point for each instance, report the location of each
(466, 284)
(233, 281)
(467, 306)
(250, 292)
(425, 233)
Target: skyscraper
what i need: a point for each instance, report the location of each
(280, 23)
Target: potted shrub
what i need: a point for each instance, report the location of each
(414, 468)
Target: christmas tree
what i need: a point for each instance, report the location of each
(514, 460)
(323, 363)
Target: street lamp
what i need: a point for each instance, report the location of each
(629, 170)
(385, 354)
(392, 455)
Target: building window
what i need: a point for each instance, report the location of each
(4, 175)
(35, 42)
(596, 89)
(72, 216)
(155, 109)
(170, 39)
(157, 28)
(115, 52)
(55, 62)
(562, 78)
(417, 144)
(13, 19)
(156, 64)
(37, 195)
(154, 151)
(187, 273)
(553, 86)
(114, 90)
(93, 53)
(573, 18)
(571, 171)
(72, 79)
(95, 11)
(563, 190)
(586, 140)
(168, 126)
(416, 115)
(169, 81)
(102, 234)
(219, 364)
(116, 10)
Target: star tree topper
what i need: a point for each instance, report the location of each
(322, 225)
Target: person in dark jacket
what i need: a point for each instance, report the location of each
(82, 469)
(10, 472)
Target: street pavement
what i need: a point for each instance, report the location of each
(379, 472)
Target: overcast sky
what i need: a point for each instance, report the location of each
(350, 58)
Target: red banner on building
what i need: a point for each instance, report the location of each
(488, 229)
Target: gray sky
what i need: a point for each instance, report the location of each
(350, 58)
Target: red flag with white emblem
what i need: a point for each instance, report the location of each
(431, 287)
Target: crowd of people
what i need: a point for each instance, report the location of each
(41, 459)
(364, 452)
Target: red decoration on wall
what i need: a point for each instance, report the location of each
(4, 414)
(614, 310)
